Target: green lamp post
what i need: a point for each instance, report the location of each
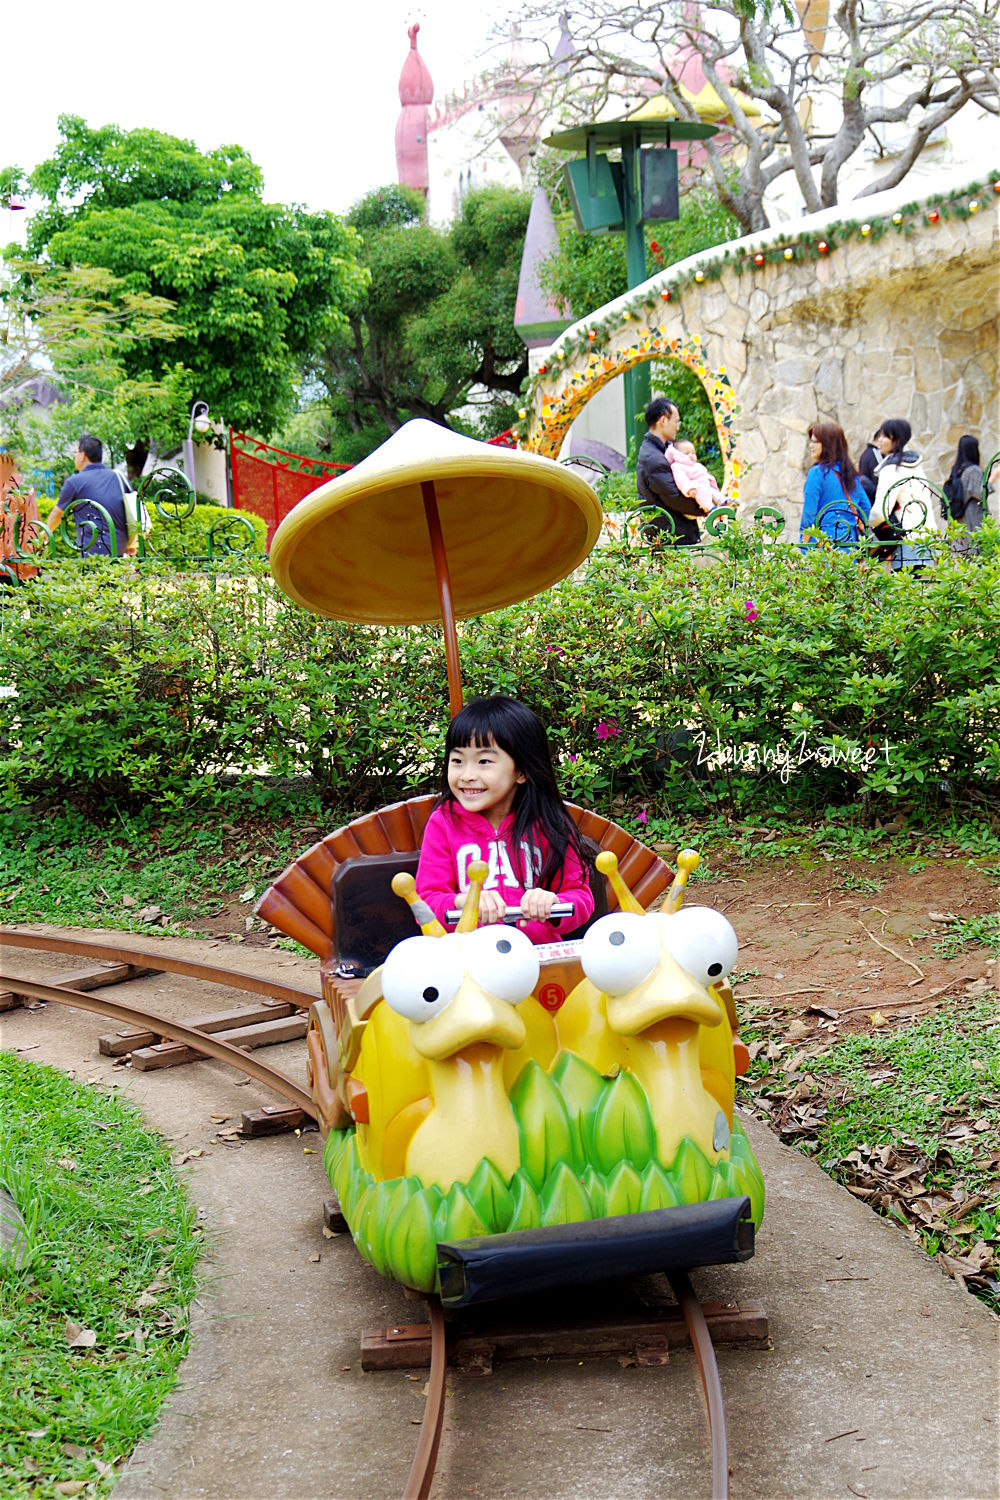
(611, 196)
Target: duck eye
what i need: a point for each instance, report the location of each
(421, 977)
(502, 961)
(702, 942)
(620, 951)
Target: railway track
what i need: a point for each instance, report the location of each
(422, 1472)
(148, 1021)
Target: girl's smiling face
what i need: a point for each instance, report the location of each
(484, 779)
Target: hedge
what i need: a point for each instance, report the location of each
(817, 679)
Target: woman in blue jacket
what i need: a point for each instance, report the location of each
(833, 499)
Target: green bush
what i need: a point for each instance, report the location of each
(817, 680)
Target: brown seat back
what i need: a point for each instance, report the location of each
(335, 898)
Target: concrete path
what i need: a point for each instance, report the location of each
(882, 1383)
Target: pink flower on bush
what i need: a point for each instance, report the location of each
(607, 729)
(751, 611)
(558, 650)
(642, 817)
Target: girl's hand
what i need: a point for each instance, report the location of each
(537, 904)
(492, 907)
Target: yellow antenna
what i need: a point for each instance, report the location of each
(469, 920)
(607, 863)
(688, 861)
(404, 885)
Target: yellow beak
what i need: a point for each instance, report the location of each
(473, 1016)
(669, 994)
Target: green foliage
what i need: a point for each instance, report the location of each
(589, 271)
(253, 284)
(65, 866)
(435, 327)
(904, 1091)
(776, 678)
(113, 1248)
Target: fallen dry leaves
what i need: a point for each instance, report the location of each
(898, 1180)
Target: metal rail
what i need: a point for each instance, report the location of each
(418, 1484)
(162, 962)
(701, 1340)
(149, 1020)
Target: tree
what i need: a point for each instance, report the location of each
(253, 285)
(895, 66)
(67, 317)
(433, 331)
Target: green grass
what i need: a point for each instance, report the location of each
(64, 868)
(981, 931)
(922, 1095)
(112, 1248)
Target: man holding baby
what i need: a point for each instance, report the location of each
(669, 478)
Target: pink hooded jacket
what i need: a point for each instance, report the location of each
(454, 838)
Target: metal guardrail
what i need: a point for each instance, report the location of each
(166, 495)
(768, 524)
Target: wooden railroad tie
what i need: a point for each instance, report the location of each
(94, 977)
(645, 1337)
(258, 1025)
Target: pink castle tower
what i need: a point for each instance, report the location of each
(416, 92)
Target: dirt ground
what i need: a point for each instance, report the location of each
(820, 946)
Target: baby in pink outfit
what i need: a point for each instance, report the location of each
(691, 477)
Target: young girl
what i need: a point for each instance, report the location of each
(500, 803)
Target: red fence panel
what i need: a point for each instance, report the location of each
(269, 482)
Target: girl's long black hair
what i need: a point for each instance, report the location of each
(968, 453)
(538, 805)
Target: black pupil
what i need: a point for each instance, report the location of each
(616, 939)
(430, 994)
(503, 946)
(714, 969)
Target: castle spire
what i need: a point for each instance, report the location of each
(416, 92)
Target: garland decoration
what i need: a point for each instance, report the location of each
(641, 306)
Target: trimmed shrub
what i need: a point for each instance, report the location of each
(775, 677)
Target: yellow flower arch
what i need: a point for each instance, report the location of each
(563, 394)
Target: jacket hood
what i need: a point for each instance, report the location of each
(908, 459)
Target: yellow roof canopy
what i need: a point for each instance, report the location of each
(359, 548)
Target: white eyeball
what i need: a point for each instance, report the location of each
(422, 976)
(503, 961)
(702, 942)
(620, 951)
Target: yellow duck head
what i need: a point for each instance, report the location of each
(654, 1001)
(461, 989)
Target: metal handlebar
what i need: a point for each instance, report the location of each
(514, 914)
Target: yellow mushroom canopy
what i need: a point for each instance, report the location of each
(359, 547)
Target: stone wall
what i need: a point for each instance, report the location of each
(905, 324)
